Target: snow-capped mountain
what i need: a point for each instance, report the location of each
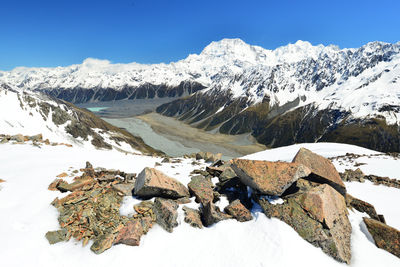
(236, 88)
(29, 114)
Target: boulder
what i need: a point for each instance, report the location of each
(78, 184)
(166, 213)
(385, 237)
(192, 217)
(211, 214)
(132, 232)
(153, 183)
(53, 186)
(201, 188)
(353, 176)
(124, 188)
(238, 211)
(36, 138)
(323, 170)
(271, 178)
(319, 216)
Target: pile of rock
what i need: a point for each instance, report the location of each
(37, 140)
(313, 200)
(358, 176)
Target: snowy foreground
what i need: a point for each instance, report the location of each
(26, 215)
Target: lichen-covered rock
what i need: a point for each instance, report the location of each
(385, 237)
(211, 214)
(56, 236)
(102, 243)
(125, 189)
(353, 176)
(192, 217)
(18, 138)
(153, 183)
(166, 213)
(362, 206)
(322, 169)
(271, 178)
(319, 216)
(238, 211)
(78, 184)
(53, 186)
(133, 230)
(201, 188)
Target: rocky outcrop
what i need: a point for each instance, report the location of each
(206, 156)
(166, 213)
(385, 237)
(362, 206)
(192, 217)
(151, 183)
(238, 211)
(322, 169)
(319, 216)
(271, 178)
(201, 188)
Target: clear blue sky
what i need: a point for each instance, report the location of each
(60, 32)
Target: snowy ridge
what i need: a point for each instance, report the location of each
(33, 113)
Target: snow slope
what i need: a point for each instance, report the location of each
(27, 215)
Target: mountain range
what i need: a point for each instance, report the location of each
(295, 93)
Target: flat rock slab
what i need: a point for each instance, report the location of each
(385, 237)
(321, 167)
(132, 232)
(126, 188)
(153, 183)
(319, 216)
(271, 178)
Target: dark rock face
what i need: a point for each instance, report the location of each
(280, 126)
(362, 206)
(322, 169)
(319, 216)
(166, 213)
(271, 178)
(153, 183)
(386, 237)
(83, 95)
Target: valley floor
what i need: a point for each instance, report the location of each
(176, 138)
(26, 215)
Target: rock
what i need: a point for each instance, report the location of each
(319, 216)
(152, 183)
(17, 138)
(2, 181)
(88, 165)
(166, 160)
(62, 175)
(208, 156)
(107, 178)
(56, 236)
(182, 200)
(238, 211)
(226, 175)
(385, 237)
(36, 138)
(324, 172)
(126, 189)
(362, 206)
(271, 178)
(53, 186)
(102, 243)
(352, 176)
(214, 171)
(211, 214)
(144, 207)
(166, 213)
(192, 217)
(78, 184)
(201, 188)
(130, 235)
